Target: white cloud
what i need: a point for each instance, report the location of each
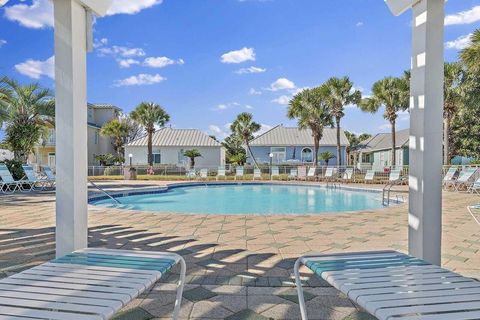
(385, 127)
(460, 43)
(126, 63)
(254, 92)
(219, 132)
(97, 43)
(359, 24)
(283, 100)
(140, 80)
(39, 14)
(161, 62)
(247, 106)
(239, 56)
(464, 17)
(2, 42)
(282, 84)
(124, 52)
(35, 69)
(264, 128)
(250, 70)
(131, 7)
(225, 106)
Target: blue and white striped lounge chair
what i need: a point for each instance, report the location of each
(464, 179)
(293, 174)
(221, 173)
(257, 174)
(8, 184)
(475, 187)
(391, 285)
(450, 177)
(369, 176)
(275, 172)
(239, 173)
(312, 174)
(203, 174)
(90, 284)
(33, 181)
(50, 177)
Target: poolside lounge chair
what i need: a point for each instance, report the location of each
(395, 176)
(475, 187)
(302, 173)
(391, 285)
(257, 174)
(369, 176)
(86, 285)
(450, 176)
(347, 175)
(8, 184)
(329, 174)
(293, 175)
(203, 174)
(239, 172)
(50, 177)
(312, 174)
(221, 173)
(475, 212)
(275, 172)
(33, 181)
(191, 174)
(464, 179)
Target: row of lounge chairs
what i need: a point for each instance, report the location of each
(30, 182)
(458, 180)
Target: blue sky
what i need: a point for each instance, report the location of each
(205, 61)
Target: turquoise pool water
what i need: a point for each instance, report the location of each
(251, 199)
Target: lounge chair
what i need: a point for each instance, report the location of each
(312, 174)
(86, 285)
(293, 175)
(369, 176)
(450, 177)
(50, 177)
(203, 174)
(191, 174)
(475, 187)
(239, 172)
(257, 174)
(475, 212)
(33, 181)
(302, 173)
(329, 174)
(464, 179)
(275, 172)
(8, 184)
(395, 176)
(221, 173)
(348, 175)
(391, 285)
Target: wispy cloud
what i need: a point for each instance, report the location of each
(460, 43)
(225, 106)
(282, 84)
(2, 42)
(140, 80)
(218, 131)
(131, 7)
(161, 62)
(283, 100)
(359, 24)
(254, 92)
(35, 69)
(126, 63)
(238, 56)
(251, 69)
(463, 17)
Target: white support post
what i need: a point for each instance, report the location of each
(426, 112)
(71, 126)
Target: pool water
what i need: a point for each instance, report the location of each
(250, 199)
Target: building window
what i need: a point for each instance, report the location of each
(279, 154)
(307, 155)
(365, 157)
(96, 137)
(181, 157)
(157, 158)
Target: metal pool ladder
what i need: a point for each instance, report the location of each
(104, 192)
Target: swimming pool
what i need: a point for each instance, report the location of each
(249, 199)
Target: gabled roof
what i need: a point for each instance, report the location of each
(383, 141)
(290, 136)
(169, 137)
(103, 106)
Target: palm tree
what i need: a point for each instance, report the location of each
(470, 56)
(311, 112)
(326, 156)
(393, 94)
(118, 131)
(452, 98)
(245, 128)
(28, 111)
(340, 94)
(149, 115)
(192, 154)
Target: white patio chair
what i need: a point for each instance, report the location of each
(221, 173)
(275, 172)
(293, 174)
(257, 174)
(191, 174)
(369, 176)
(464, 179)
(348, 175)
(450, 177)
(203, 174)
(239, 173)
(302, 173)
(312, 174)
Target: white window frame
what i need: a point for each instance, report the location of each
(156, 154)
(278, 156)
(311, 155)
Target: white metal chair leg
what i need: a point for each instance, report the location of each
(298, 283)
(181, 285)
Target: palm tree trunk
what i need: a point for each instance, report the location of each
(150, 148)
(339, 153)
(446, 141)
(251, 154)
(316, 146)
(394, 143)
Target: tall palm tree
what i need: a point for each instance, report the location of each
(245, 128)
(27, 111)
(311, 112)
(340, 94)
(118, 131)
(149, 115)
(452, 98)
(470, 56)
(393, 94)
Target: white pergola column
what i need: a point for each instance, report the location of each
(426, 121)
(72, 39)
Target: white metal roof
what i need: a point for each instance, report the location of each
(383, 141)
(289, 136)
(169, 137)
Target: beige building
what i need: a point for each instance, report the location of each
(98, 115)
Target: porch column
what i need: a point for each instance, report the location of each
(426, 118)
